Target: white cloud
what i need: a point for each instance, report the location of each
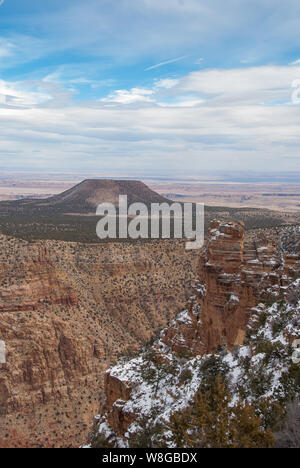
(166, 83)
(240, 86)
(183, 103)
(265, 85)
(207, 119)
(7, 48)
(20, 95)
(158, 29)
(20, 49)
(134, 95)
(240, 117)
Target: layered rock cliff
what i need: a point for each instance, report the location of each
(67, 311)
(234, 276)
(240, 322)
(29, 280)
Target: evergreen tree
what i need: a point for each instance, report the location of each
(212, 423)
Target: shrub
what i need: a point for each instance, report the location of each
(148, 435)
(294, 296)
(270, 412)
(211, 368)
(185, 376)
(278, 325)
(271, 350)
(100, 441)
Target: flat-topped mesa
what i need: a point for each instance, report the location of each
(234, 276)
(85, 197)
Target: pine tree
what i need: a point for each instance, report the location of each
(212, 423)
(247, 431)
(179, 426)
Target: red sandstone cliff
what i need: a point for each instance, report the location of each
(235, 275)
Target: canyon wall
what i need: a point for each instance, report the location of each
(67, 311)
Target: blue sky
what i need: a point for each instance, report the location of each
(172, 87)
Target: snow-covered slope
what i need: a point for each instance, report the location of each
(163, 382)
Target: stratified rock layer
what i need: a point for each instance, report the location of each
(66, 312)
(235, 275)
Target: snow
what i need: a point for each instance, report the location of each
(164, 393)
(184, 317)
(234, 298)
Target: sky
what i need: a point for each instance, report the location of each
(173, 87)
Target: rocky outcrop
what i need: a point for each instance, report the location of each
(291, 252)
(235, 275)
(117, 393)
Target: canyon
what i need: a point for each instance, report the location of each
(67, 311)
(70, 310)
